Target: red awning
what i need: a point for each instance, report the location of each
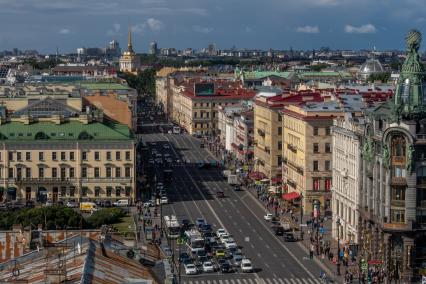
(276, 180)
(257, 175)
(291, 196)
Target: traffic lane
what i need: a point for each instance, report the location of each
(192, 151)
(262, 248)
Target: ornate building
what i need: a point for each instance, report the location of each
(129, 61)
(392, 220)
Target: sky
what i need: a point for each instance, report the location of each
(279, 24)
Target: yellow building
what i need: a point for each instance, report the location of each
(129, 61)
(307, 157)
(268, 135)
(50, 151)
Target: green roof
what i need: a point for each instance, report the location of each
(70, 131)
(105, 86)
(263, 74)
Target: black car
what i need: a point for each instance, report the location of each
(225, 267)
(186, 224)
(205, 228)
(279, 231)
(184, 257)
(237, 187)
(289, 237)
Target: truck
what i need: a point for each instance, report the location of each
(194, 241)
(233, 180)
(88, 207)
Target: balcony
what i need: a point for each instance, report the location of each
(45, 180)
(399, 181)
(291, 183)
(398, 160)
(396, 227)
(261, 132)
(292, 148)
(398, 203)
(298, 169)
(107, 179)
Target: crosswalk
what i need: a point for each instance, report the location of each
(255, 281)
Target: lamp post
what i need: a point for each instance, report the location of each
(338, 247)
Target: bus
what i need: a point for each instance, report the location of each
(172, 227)
(194, 241)
(176, 130)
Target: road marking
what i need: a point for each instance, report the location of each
(260, 238)
(252, 246)
(259, 255)
(293, 281)
(299, 281)
(287, 281)
(282, 264)
(274, 255)
(267, 246)
(281, 281)
(275, 281)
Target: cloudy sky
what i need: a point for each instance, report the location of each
(279, 24)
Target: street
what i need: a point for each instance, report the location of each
(192, 194)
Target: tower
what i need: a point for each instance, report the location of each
(129, 41)
(129, 61)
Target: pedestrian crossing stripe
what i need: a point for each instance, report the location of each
(255, 281)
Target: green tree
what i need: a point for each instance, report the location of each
(382, 77)
(106, 216)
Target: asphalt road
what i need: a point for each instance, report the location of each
(192, 194)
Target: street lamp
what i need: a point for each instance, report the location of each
(338, 246)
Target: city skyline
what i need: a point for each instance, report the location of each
(307, 24)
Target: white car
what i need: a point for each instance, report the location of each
(221, 232)
(268, 217)
(230, 243)
(169, 132)
(246, 265)
(72, 204)
(164, 200)
(224, 238)
(190, 269)
(208, 267)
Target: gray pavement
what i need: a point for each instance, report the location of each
(193, 194)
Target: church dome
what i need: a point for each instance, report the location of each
(371, 66)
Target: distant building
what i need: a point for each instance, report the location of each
(153, 49)
(129, 61)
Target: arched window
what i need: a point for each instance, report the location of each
(84, 136)
(41, 136)
(398, 146)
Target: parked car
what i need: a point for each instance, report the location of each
(208, 266)
(164, 200)
(221, 232)
(200, 221)
(72, 204)
(246, 265)
(148, 204)
(30, 204)
(289, 237)
(279, 231)
(190, 269)
(122, 203)
(268, 217)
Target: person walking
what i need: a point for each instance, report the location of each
(311, 251)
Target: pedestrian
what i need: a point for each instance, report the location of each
(311, 251)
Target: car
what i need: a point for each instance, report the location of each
(106, 203)
(219, 253)
(160, 185)
(220, 194)
(289, 237)
(186, 224)
(223, 238)
(246, 265)
(148, 204)
(268, 217)
(205, 228)
(221, 232)
(177, 161)
(48, 203)
(237, 187)
(230, 243)
(184, 256)
(169, 132)
(225, 267)
(208, 266)
(30, 204)
(163, 192)
(236, 260)
(164, 200)
(204, 166)
(153, 144)
(210, 237)
(190, 269)
(121, 203)
(279, 231)
(72, 204)
(200, 222)
(159, 160)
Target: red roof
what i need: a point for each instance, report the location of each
(291, 196)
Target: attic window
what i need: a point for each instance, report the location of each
(70, 134)
(52, 134)
(41, 136)
(20, 134)
(12, 134)
(84, 136)
(29, 134)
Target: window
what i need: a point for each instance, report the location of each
(72, 172)
(63, 190)
(63, 156)
(316, 148)
(54, 156)
(327, 131)
(280, 130)
(118, 155)
(108, 172)
(398, 216)
(97, 156)
(280, 118)
(327, 148)
(315, 131)
(118, 172)
(84, 172)
(84, 191)
(28, 156)
(118, 191)
(327, 165)
(10, 156)
(63, 173)
(213, 104)
(72, 191)
(96, 172)
(127, 171)
(214, 114)
(72, 156)
(280, 160)
(327, 183)
(128, 156)
(54, 172)
(41, 172)
(315, 184)
(28, 172)
(19, 173)
(97, 191)
(195, 114)
(84, 155)
(19, 156)
(399, 171)
(10, 173)
(108, 156)
(315, 166)
(108, 190)
(280, 145)
(398, 193)
(128, 190)
(41, 156)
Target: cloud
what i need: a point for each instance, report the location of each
(308, 29)
(364, 29)
(203, 30)
(115, 30)
(154, 24)
(139, 28)
(64, 31)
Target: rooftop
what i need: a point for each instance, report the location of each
(104, 86)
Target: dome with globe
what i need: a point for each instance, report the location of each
(413, 39)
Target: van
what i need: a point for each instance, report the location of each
(88, 207)
(121, 203)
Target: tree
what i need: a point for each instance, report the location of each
(382, 77)
(106, 216)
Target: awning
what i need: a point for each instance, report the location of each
(276, 180)
(257, 175)
(291, 196)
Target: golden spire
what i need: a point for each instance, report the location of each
(129, 41)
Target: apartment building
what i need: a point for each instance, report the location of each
(50, 151)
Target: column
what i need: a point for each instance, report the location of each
(387, 195)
